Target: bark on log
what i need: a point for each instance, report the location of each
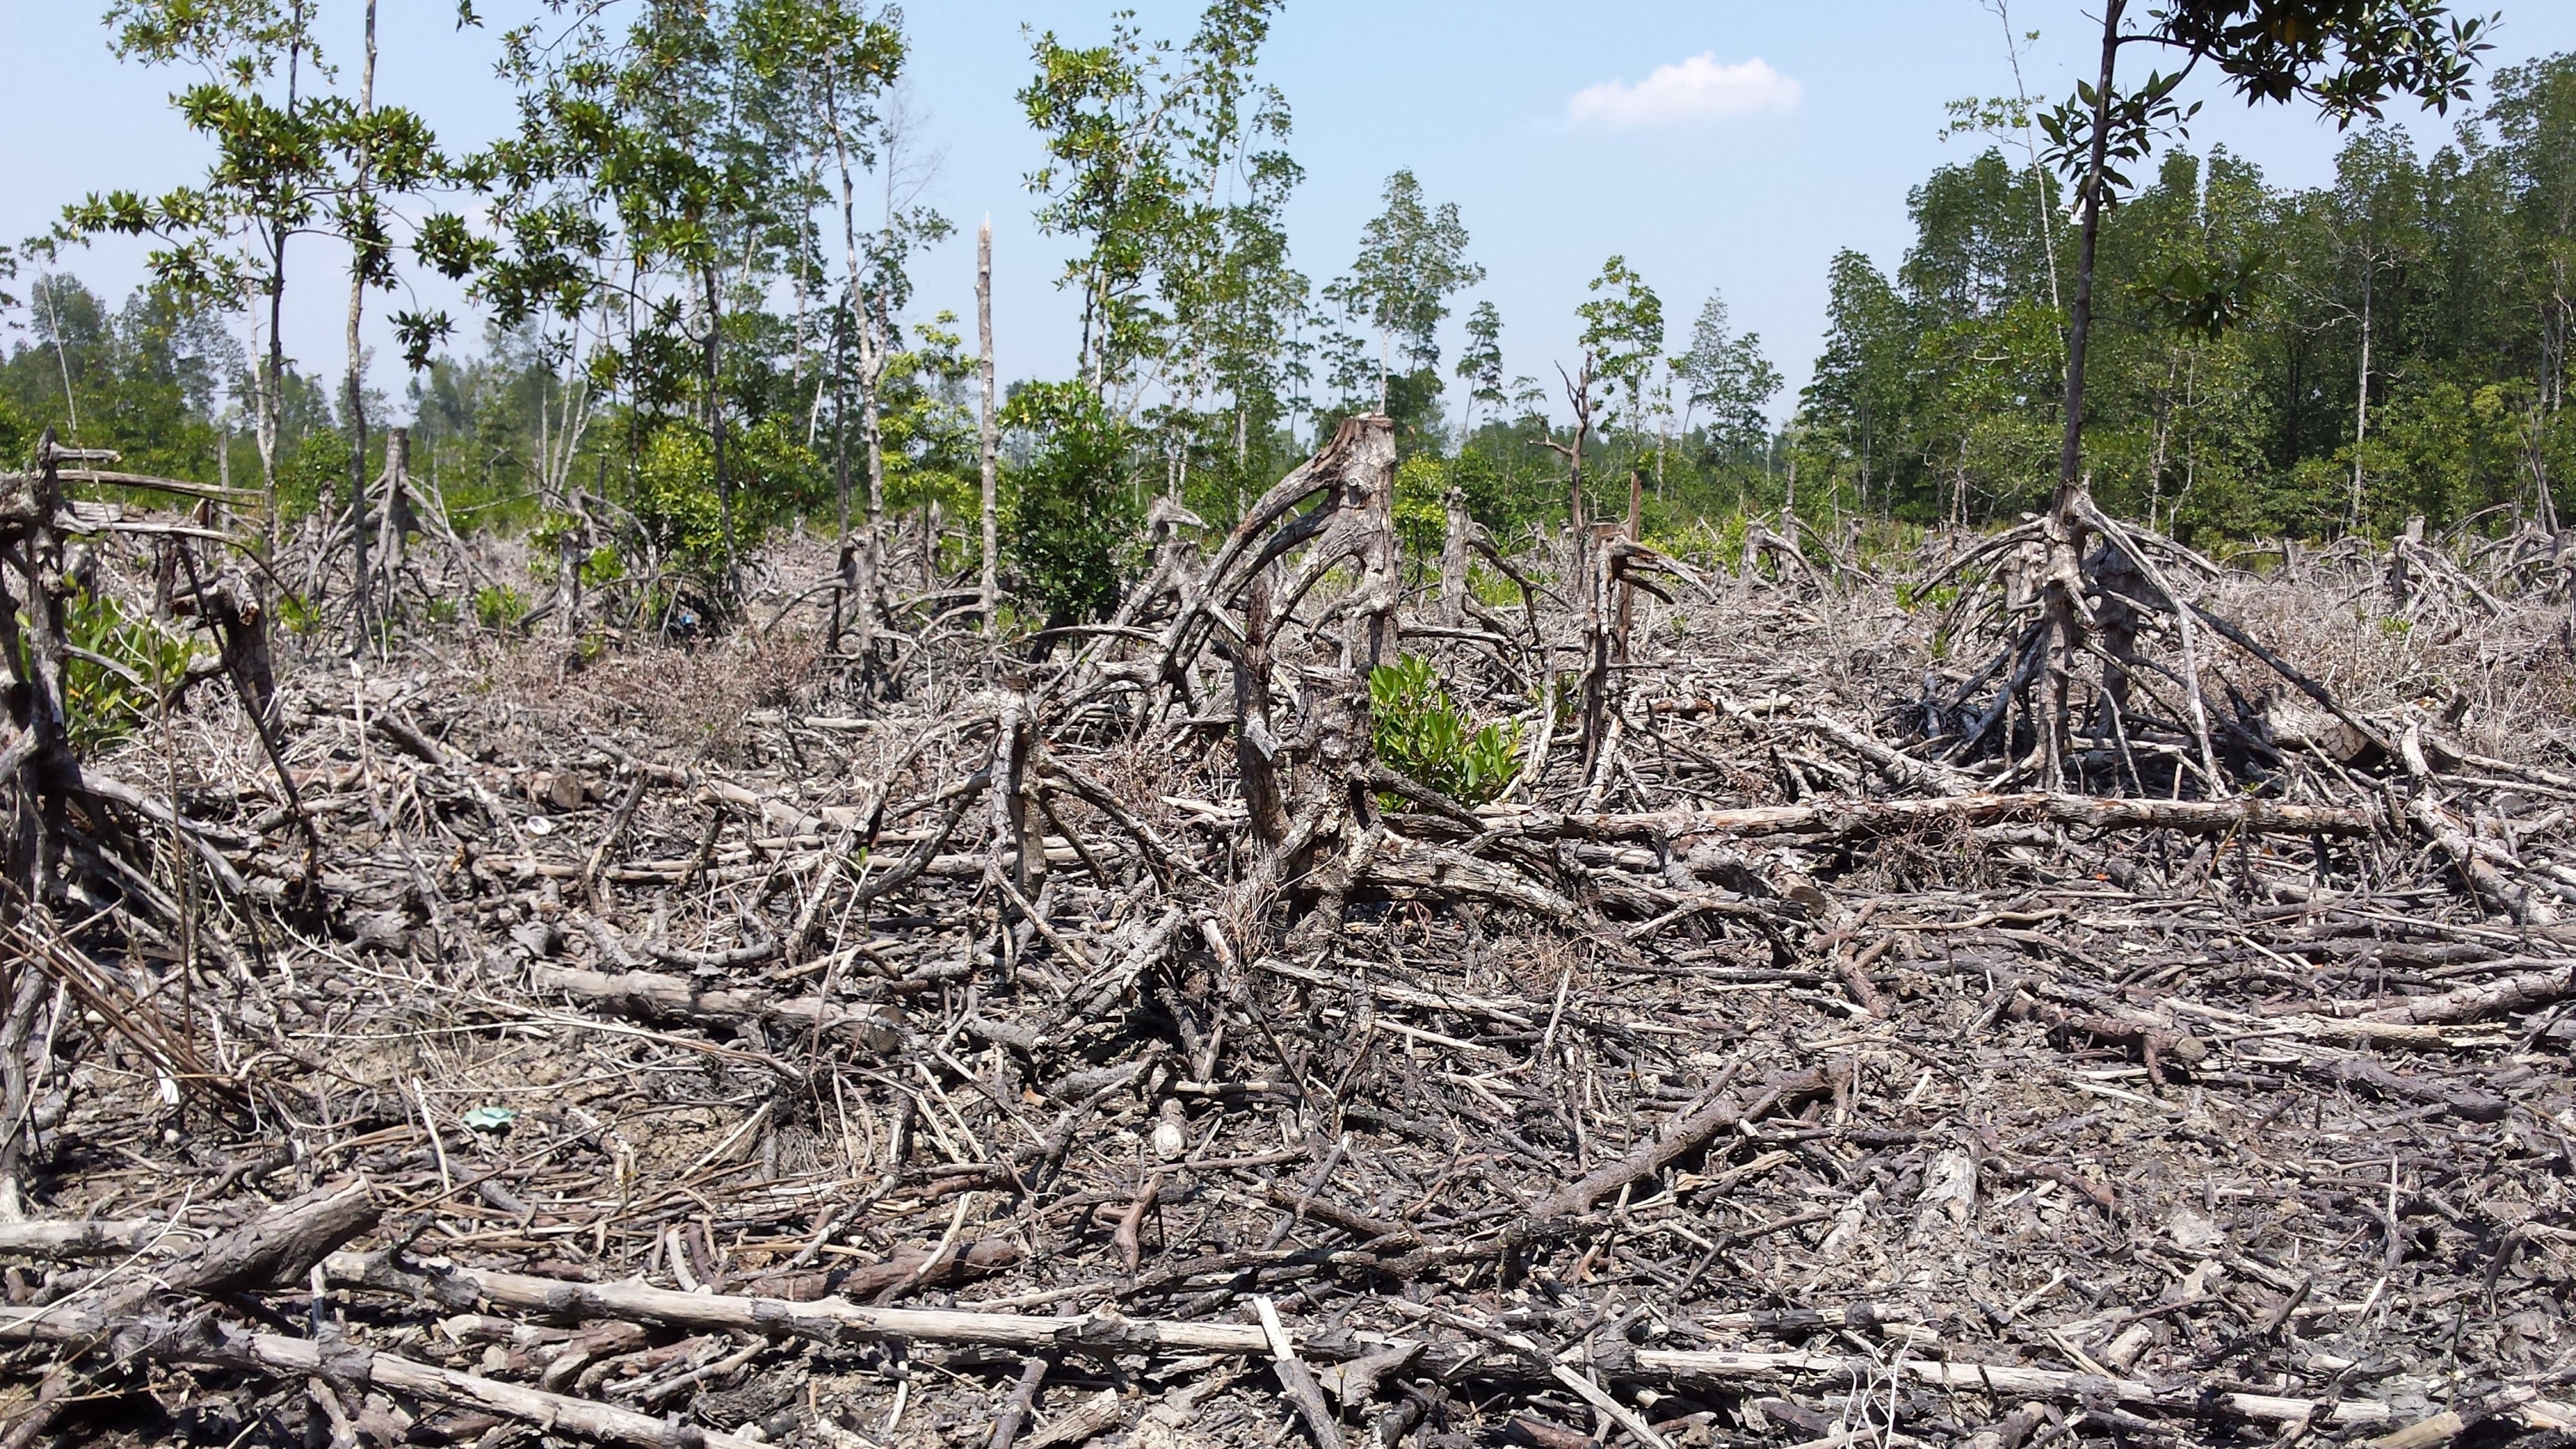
(205, 1341)
(1842, 820)
(1440, 871)
(278, 1249)
(915, 1266)
(659, 997)
(1109, 1334)
(2009, 1382)
(1680, 1136)
(2467, 1103)
(2487, 998)
(104, 1238)
(2518, 903)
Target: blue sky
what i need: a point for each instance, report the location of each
(1644, 129)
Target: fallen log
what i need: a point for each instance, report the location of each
(2467, 1103)
(1850, 819)
(1452, 874)
(275, 1250)
(1681, 1135)
(206, 1341)
(2011, 1382)
(2519, 903)
(280, 1248)
(1109, 1334)
(2488, 998)
(828, 1320)
(914, 1267)
(656, 996)
(103, 1238)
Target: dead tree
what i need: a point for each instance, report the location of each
(38, 770)
(1352, 522)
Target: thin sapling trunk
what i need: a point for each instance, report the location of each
(359, 631)
(987, 586)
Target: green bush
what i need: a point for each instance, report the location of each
(120, 670)
(602, 566)
(1507, 502)
(1073, 520)
(314, 470)
(499, 608)
(1422, 731)
(677, 508)
(297, 614)
(1421, 505)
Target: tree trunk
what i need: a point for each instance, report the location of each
(2361, 398)
(1256, 749)
(841, 477)
(1455, 545)
(871, 556)
(272, 410)
(34, 654)
(2065, 525)
(715, 412)
(1636, 522)
(359, 632)
(858, 578)
(1580, 395)
(396, 515)
(987, 590)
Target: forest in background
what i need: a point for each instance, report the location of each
(692, 262)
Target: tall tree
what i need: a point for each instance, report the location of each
(640, 181)
(1111, 179)
(1623, 328)
(2535, 120)
(1412, 260)
(1726, 374)
(1480, 365)
(827, 63)
(292, 159)
(225, 239)
(2349, 58)
(2373, 214)
(2013, 120)
(1170, 167)
(1860, 393)
(988, 435)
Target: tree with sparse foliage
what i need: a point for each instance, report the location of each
(1412, 260)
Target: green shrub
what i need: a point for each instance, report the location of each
(499, 608)
(1422, 731)
(297, 614)
(677, 507)
(1070, 531)
(1496, 590)
(120, 670)
(1421, 505)
(605, 566)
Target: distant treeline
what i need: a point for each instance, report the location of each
(2265, 360)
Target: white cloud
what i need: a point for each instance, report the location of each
(1696, 89)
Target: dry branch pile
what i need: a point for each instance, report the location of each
(739, 1043)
